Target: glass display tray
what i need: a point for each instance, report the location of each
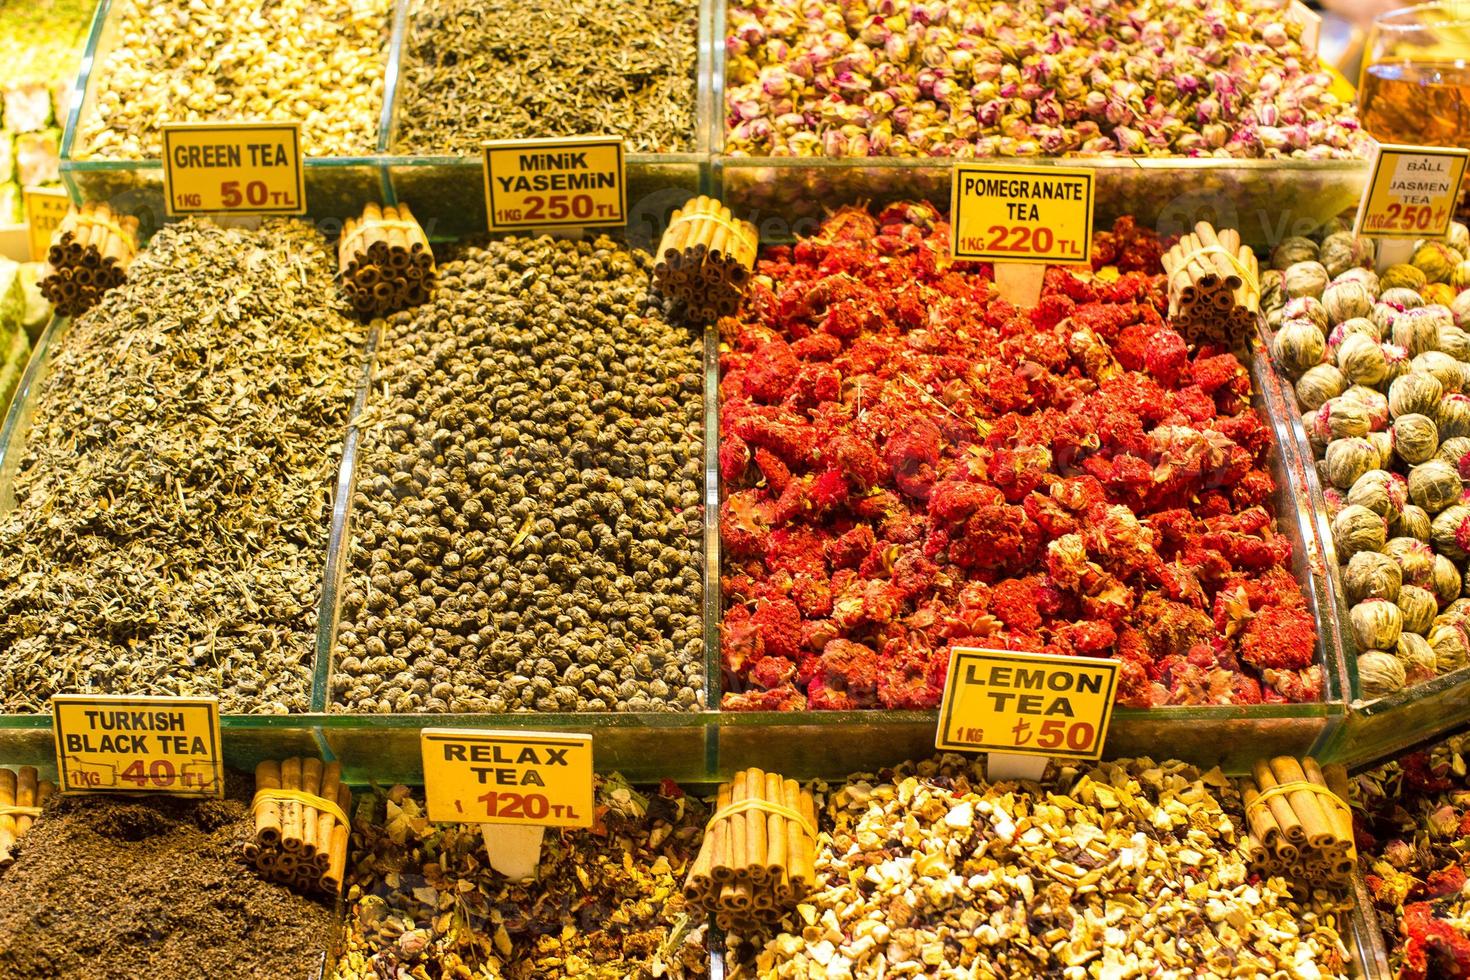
(335, 186)
(831, 744)
(447, 192)
(1267, 200)
(1383, 727)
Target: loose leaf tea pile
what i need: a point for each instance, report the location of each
(1119, 869)
(172, 498)
(423, 900)
(508, 69)
(527, 514)
(910, 463)
(105, 889)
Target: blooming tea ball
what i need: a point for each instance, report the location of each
(1401, 298)
(1293, 250)
(1298, 345)
(1345, 300)
(1417, 330)
(1416, 393)
(1361, 360)
(1376, 624)
(1307, 308)
(1342, 251)
(1341, 418)
(1460, 278)
(1451, 645)
(1333, 500)
(1456, 452)
(1316, 438)
(1419, 607)
(1459, 237)
(1447, 580)
(1438, 294)
(1415, 438)
(1449, 372)
(1413, 522)
(1367, 277)
(1371, 575)
(1454, 341)
(1355, 529)
(1304, 279)
(1453, 416)
(1382, 443)
(1460, 310)
(1382, 492)
(1450, 532)
(1321, 382)
(1436, 260)
(1358, 324)
(1415, 559)
(1417, 656)
(1380, 673)
(1433, 485)
(1348, 459)
(1402, 276)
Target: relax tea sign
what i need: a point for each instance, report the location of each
(1026, 703)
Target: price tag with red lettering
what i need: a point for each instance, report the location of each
(1026, 703)
(1412, 192)
(1021, 214)
(569, 182)
(532, 778)
(233, 168)
(120, 744)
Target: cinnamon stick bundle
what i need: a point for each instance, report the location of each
(757, 859)
(90, 253)
(24, 790)
(704, 260)
(301, 843)
(1214, 287)
(1299, 832)
(385, 261)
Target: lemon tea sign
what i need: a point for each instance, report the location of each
(1026, 703)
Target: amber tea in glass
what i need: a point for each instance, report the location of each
(1415, 86)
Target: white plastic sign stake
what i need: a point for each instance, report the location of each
(514, 851)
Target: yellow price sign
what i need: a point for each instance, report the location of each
(233, 168)
(534, 778)
(1021, 214)
(44, 208)
(568, 182)
(120, 744)
(1412, 192)
(1026, 703)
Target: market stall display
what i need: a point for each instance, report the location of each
(1129, 868)
(909, 463)
(172, 477)
(151, 887)
(528, 520)
(605, 905)
(1379, 364)
(1412, 819)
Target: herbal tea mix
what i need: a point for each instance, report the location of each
(116, 889)
(173, 493)
(422, 900)
(527, 519)
(503, 70)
